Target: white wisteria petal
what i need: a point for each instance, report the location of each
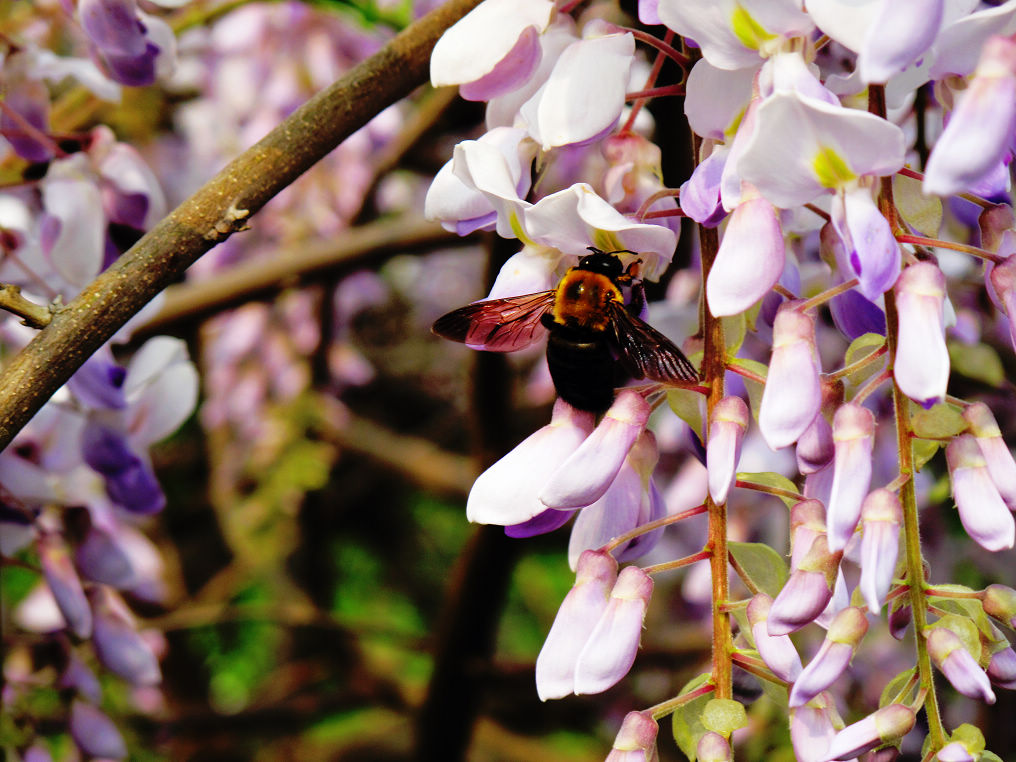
(750, 259)
(832, 147)
(584, 95)
(486, 168)
(161, 388)
(72, 200)
(846, 21)
(574, 218)
(716, 98)
(478, 42)
(902, 32)
(959, 44)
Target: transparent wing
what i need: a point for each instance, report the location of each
(498, 325)
(645, 352)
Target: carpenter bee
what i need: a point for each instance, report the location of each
(594, 339)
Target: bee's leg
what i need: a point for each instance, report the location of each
(637, 305)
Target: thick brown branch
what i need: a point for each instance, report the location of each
(219, 208)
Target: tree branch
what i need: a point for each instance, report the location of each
(213, 213)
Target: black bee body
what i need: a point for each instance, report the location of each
(595, 342)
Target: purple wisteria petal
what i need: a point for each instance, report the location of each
(1003, 282)
(483, 46)
(964, 35)
(576, 217)
(868, 243)
(777, 651)
(713, 747)
(507, 492)
(63, 581)
(750, 259)
(793, 392)
(834, 147)
(636, 739)
(1002, 668)
(587, 473)
(845, 632)
(853, 441)
(132, 195)
(94, 733)
(79, 676)
(855, 315)
(117, 644)
(585, 603)
(610, 650)
(29, 99)
(997, 456)
(585, 93)
(130, 481)
(984, 515)
(101, 559)
(881, 518)
(727, 428)
(615, 513)
(921, 366)
(955, 662)
(807, 592)
(113, 26)
(900, 33)
(888, 724)
(955, 752)
(99, 383)
(731, 34)
(807, 521)
(815, 448)
(700, 194)
(543, 523)
(979, 134)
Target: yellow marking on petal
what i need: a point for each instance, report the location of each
(516, 226)
(830, 168)
(606, 240)
(748, 31)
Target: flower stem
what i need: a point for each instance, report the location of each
(678, 564)
(650, 526)
(937, 243)
(713, 369)
(669, 706)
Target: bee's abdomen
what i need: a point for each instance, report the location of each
(582, 367)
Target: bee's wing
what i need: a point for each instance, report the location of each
(498, 325)
(645, 352)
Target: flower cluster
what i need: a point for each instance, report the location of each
(830, 267)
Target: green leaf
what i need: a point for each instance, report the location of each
(924, 450)
(689, 406)
(890, 694)
(861, 347)
(977, 361)
(686, 721)
(970, 736)
(940, 422)
(771, 479)
(923, 213)
(754, 388)
(735, 328)
(965, 629)
(724, 716)
(764, 568)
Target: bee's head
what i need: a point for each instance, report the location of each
(603, 262)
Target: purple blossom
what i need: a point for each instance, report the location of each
(94, 732)
(727, 428)
(793, 393)
(842, 637)
(881, 518)
(777, 651)
(853, 441)
(887, 725)
(921, 366)
(984, 515)
(636, 740)
(807, 592)
(950, 655)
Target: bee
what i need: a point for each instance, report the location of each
(594, 339)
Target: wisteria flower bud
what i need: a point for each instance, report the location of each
(854, 440)
(955, 662)
(585, 475)
(507, 492)
(813, 727)
(1003, 280)
(117, 643)
(983, 513)
(954, 751)
(845, 632)
(712, 747)
(921, 366)
(900, 617)
(636, 740)
(979, 134)
(807, 521)
(37, 752)
(610, 650)
(750, 258)
(727, 427)
(585, 603)
(63, 581)
(881, 517)
(793, 393)
(1001, 668)
(997, 456)
(777, 651)
(887, 725)
(815, 448)
(78, 676)
(94, 732)
(808, 590)
(1000, 602)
